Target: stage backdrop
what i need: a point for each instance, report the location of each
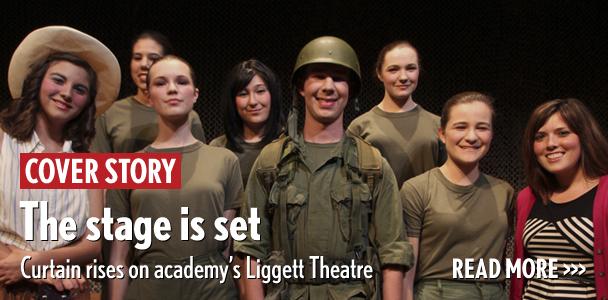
(519, 52)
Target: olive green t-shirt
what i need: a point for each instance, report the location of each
(454, 221)
(129, 126)
(246, 158)
(211, 184)
(408, 140)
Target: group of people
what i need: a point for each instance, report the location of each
(400, 189)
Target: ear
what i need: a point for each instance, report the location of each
(196, 93)
(379, 76)
(301, 91)
(441, 134)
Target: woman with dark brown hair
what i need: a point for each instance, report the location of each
(59, 78)
(563, 212)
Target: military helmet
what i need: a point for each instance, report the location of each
(330, 50)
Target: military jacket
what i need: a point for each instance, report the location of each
(318, 209)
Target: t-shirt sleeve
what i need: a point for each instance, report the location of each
(354, 128)
(255, 197)
(233, 188)
(413, 208)
(101, 141)
(197, 128)
(119, 203)
(393, 248)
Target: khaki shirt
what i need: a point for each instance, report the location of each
(319, 202)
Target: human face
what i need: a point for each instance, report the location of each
(172, 92)
(253, 103)
(557, 148)
(468, 133)
(145, 52)
(64, 91)
(399, 73)
(325, 92)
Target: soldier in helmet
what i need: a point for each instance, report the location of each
(321, 192)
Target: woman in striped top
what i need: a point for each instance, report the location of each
(59, 77)
(562, 213)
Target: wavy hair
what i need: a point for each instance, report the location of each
(580, 120)
(19, 118)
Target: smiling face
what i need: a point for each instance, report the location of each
(171, 91)
(399, 72)
(468, 133)
(64, 91)
(325, 91)
(557, 148)
(145, 52)
(253, 103)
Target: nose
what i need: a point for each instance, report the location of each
(66, 92)
(172, 87)
(551, 142)
(329, 86)
(252, 99)
(145, 63)
(403, 76)
(471, 136)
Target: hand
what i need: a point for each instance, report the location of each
(10, 266)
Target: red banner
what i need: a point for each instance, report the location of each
(100, 171)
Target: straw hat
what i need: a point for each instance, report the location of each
(42, 42)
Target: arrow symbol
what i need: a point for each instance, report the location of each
(583, 269)
(567, 269)
(574, 269)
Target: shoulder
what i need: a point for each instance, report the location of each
(420, 182)
(193, 115)
(359, 122)
(217, 153)
(428, 116)
(498, 183)
(219, 141)
(118, 107)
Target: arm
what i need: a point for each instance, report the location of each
(80, 252)
(391, 284)
(253, 287)
(255, 196)
(119, 253)
(408, 280)
(228, 214)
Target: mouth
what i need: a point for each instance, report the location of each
(470, 148)
(62, 105)
(327, 103)
(173, 101)
(554, 156)
(253, 111)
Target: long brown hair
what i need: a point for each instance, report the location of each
(579, 119)
(19, 119)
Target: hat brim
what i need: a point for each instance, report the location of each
(53, 39)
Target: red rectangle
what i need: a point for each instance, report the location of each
(100, 171)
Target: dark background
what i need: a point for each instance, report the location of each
(521, 52)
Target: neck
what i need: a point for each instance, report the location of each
(389, 104)
(460, 175)
(571, 179)
(319, 133)
(253, 134)
(49, 133)
(142, 97)
(173, 133)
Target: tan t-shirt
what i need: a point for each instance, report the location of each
(129, 126)
(246, 158)
(408, 140)
(454, 221)
(211, 184)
